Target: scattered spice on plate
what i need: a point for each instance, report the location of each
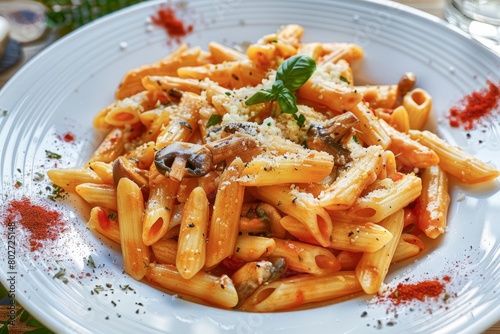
(470, 110)
(42, 223)
(68, 137)
(428, 289)
(431, 288)
(166, 17)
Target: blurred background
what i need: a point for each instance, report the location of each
(28, 26)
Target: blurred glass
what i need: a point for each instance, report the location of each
(480, 18)
(26, 19)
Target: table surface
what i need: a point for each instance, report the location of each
(434, 7)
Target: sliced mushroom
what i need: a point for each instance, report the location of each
(317, 139)
(262, 218)
(406, 84)
(231, 146)
(122, 167)
(327, 138)
(340, 125)
(241, 127)
(178, 159)
(253, 274)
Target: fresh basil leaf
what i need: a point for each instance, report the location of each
(287, 101)
(213, 120)
(301, 119)
(295, 71)
(263, 95)
(277, 87)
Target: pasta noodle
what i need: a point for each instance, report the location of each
(307, 195)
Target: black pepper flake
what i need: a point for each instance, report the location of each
(364, 314)
(191, 225)
(390, 323)
(137, 311)
(222, 286)
(113, 302)
(185, 124)
(235, 77)
(107, 318)
(350, 233)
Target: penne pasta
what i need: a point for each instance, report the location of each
(251, 248)
(221, 53)
(408, 151)
(454, 161)
(354, 237)
(433, 202)
(191, 251)
(384, 201)
(302, 206)
(373, 267)
(165, 251)
(98, 194)
(219, 291)
(111, 147)
(294, 292)
(306, 258)
(183, 56)
(418, 104)
(288, 168)
(130, 208)
(105, 222)
(69, 178)
(229, 74)
(369, 129)
(159, 207)
(408, 247)
(225, 216)
(344, 191)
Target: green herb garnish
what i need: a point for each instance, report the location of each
(342, 78)
(290, 76)
(38, 176)
(52, 155)
(213, 120)
(56, 193)
(61, 274)
(90, 261)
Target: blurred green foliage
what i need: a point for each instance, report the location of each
(67, 15)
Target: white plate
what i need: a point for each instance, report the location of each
(63, 88)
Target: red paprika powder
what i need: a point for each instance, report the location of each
(167, 19)
(473, 107)
(432, 288)
(43, 224)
